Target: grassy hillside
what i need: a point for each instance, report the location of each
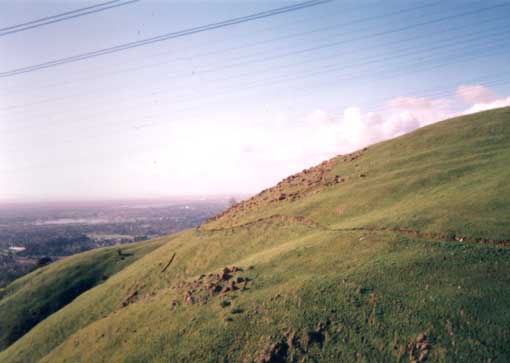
(447, 177)
(370, 257)
(32, 298)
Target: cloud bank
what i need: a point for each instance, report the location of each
(256, 157)
(355, 129)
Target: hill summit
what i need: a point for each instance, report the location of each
(395, 253)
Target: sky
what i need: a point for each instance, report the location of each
(232, 110)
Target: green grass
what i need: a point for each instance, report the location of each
(419, 286)
(32, 298)
(370, 292)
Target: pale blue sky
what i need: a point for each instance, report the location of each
(236, 109)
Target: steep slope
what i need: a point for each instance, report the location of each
(370, 258)
(447, 177)
(37, 295)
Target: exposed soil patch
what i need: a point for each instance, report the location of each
(419, 348)
(294, 346)
(200, 290)
(133, 297)
(276, 353)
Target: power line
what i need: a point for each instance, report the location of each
(56, 16)
(164, 37)
(395, 73)
(244, 46)
(301, 77)
(476, 38)
(91, 74)
(375, 35)
(402, 69)
(62, 17)
(328, 70)
(336, 67)
(327, 45)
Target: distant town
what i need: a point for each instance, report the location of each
(33, 235)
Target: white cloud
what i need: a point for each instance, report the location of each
(423, 110)
(475, 93)
(478, 107)
(418, 103)
(352, 131)
(355, 129)
(352, 126)
(481, 98)
(399, 124)
(320, 117)
(260, 155)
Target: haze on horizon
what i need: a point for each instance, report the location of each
(232, 110)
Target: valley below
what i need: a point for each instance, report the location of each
(35, 234)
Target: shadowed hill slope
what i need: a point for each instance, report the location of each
(37, 295)
(368, 257)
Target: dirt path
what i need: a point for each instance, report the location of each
(316, 225)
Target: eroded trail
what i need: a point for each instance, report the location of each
(436, 236)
